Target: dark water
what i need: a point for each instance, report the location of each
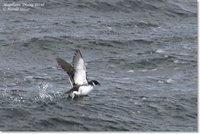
(144, 54)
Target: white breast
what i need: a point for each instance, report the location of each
(84, 90)
(80, 77)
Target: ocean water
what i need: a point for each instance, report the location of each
(144, 54)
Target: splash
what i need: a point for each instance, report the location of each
(43, 93)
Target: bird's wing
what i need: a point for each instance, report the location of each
(67, 68)
(80, 76)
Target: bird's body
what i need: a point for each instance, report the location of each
(77, 76)
(80, 90)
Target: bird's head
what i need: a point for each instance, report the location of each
(94, 82)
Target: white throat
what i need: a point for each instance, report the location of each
(93, 84)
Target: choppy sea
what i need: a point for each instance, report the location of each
(144, 54)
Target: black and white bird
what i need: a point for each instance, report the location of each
(77, 76)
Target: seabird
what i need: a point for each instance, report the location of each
(77, 76)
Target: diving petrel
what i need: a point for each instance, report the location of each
(77, 75)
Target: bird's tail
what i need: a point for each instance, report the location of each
(75, 88)
(68, 92)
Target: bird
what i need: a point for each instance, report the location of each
(77, 76)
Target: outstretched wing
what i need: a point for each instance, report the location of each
(80, 77)
(67, 68)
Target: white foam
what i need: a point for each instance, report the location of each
(109, 28)
(130, 71)
(160, 51)
(143, 70)
(170, 80)
(176, 61)
(28, 77)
